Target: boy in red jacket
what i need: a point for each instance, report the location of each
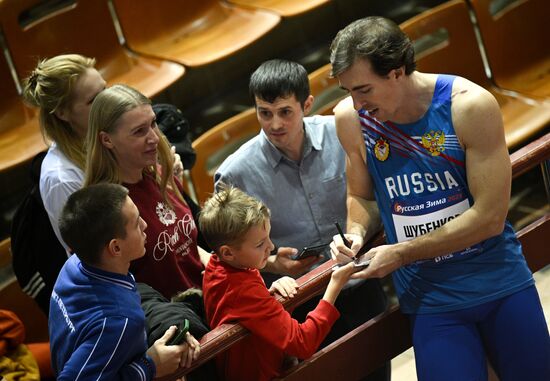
(237, 227)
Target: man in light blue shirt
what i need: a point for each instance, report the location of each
(296, 166)
(307, 195)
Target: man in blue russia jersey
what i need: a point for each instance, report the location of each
(426, 156)
(96, 324)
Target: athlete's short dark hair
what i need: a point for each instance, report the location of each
(376, 39)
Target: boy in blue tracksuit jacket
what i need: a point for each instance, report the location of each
(96, 324)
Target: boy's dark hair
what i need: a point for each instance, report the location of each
(376, 39)
(279, 78)
(91, 218)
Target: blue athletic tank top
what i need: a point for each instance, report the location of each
(420, 183)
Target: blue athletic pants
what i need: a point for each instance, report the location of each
(510, 332)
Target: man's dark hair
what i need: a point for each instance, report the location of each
(279, 78)
(376, 39)
(91, 218)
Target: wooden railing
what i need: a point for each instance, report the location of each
(382, 338)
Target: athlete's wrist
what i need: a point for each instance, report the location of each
(401, 254)
(356, 229)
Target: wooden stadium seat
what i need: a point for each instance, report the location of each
(216, 144)
(396, 10)
(382, 338)
(445, 42)
(326, 90)
(20, 137)
(192, 32)
(285, 8)
(517, 43)
(36, 29)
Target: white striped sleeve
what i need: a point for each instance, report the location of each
(114, 349)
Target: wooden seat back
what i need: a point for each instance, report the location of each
(445, 42)
(517, 43)
(396, 10)
(20, 137)
(216, 144)
(36, 29)
(382, 338)
(285, 8)
(12, 111)
(192, 32)
(326, 90)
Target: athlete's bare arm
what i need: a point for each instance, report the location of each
(478, 123)
(363, 217)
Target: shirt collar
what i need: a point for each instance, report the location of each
(126, 281)
(313, 141)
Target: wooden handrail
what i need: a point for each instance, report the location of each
(221, 338)
(533, 240)
(390, 333)
(313, 283)
(530, 155)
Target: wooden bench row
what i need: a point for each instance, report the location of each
(83, 27)
(382, 338)
(140, 43)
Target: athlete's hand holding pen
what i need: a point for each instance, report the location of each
(374, 262)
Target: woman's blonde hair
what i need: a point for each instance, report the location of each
(227, 216)
(101, 164)
(50, 87)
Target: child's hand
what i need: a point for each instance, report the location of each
(285, 286)
(342, 274)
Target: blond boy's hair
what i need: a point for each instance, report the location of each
(228, 215)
